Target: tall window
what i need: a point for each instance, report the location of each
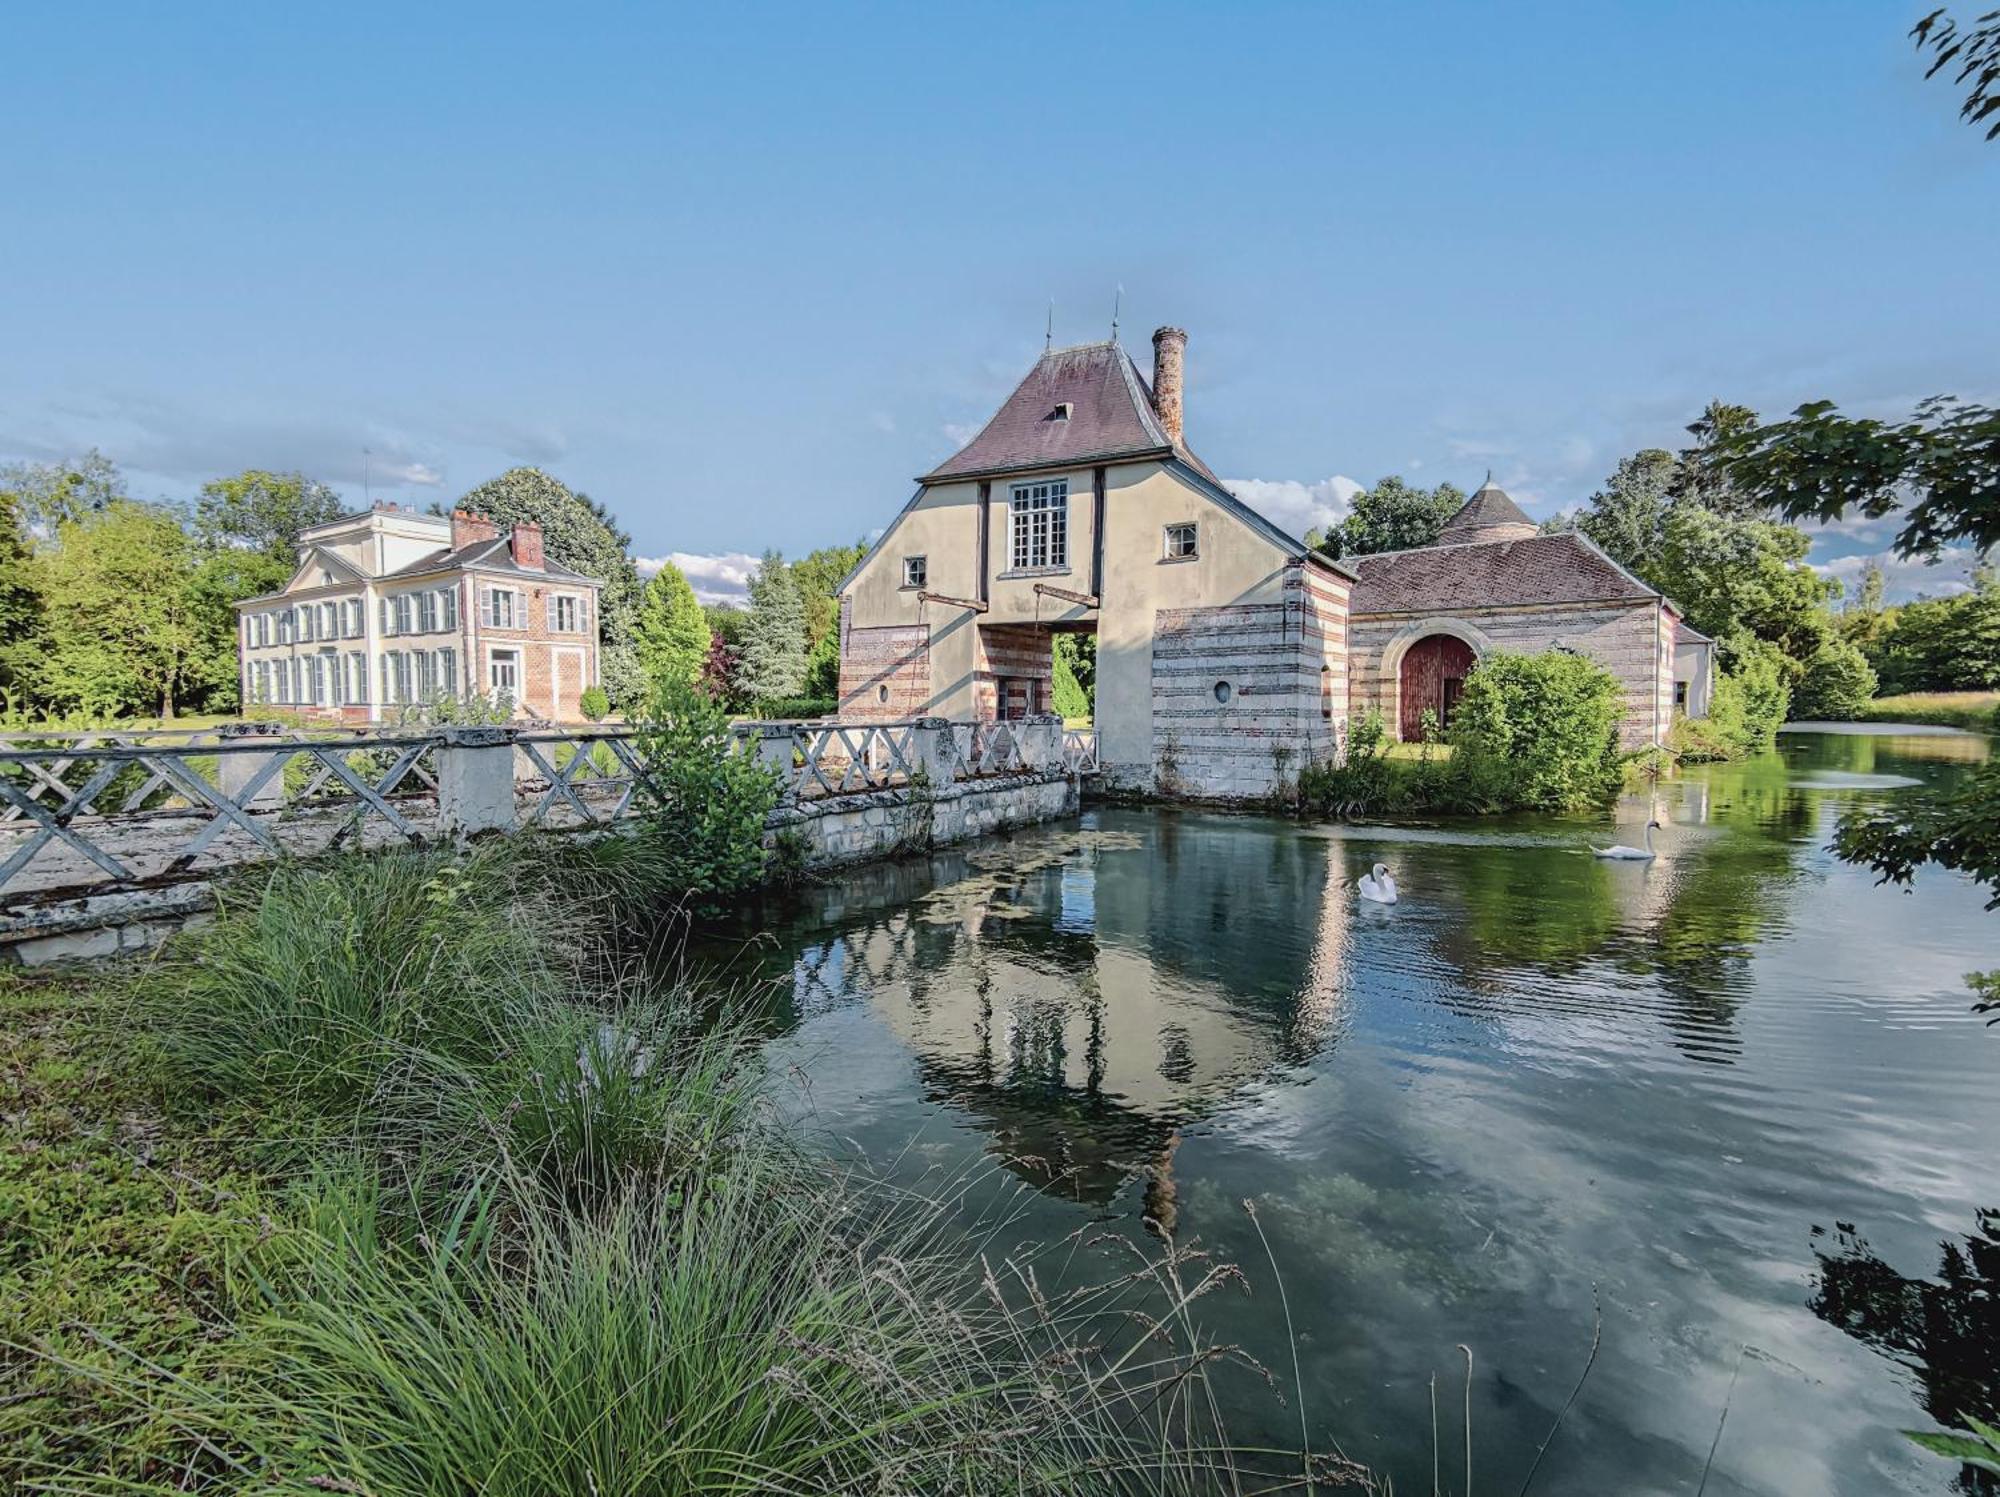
(504, 673)
(1040, 516)
(427, 612)
(353, 630)
(565, 613)
(447, 672)
(357, 677)
(329, 621)
(501, 611)
(426, 674)
(448, 603)
(404, 622)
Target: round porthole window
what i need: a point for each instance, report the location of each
(1224, 691)
(882, 693)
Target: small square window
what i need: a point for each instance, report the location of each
(915, 571)
(1181, 542)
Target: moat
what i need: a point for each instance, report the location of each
(1733, 1101)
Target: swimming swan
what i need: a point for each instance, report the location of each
(1641, 854)
(1377, 886)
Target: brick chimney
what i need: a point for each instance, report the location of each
(527, 543)
(1169, 354)
(469, 526)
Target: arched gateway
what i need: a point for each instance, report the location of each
(1431, 676)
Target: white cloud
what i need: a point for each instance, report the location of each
(1294, 506)
(722, 578)
(1904, 579)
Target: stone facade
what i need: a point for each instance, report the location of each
(1634, 641)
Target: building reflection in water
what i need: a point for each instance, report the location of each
(1084, 1003)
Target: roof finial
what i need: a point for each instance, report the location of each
(1049, 338)
(1489, 479)
(1117, 302)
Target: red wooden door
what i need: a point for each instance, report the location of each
(1433, 670)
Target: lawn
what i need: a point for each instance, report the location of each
(1952, 709)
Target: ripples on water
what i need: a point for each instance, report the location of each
(1734, 1097)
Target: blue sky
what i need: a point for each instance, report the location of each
(742, 272)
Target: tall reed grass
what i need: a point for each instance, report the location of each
(544, 1236)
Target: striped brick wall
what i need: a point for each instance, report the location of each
(885, 672)
(1634, 641)
(1277, 661)
(1020, 654)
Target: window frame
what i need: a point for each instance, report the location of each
(511, 654)
(1038, 549)
(1167, 535)
(916, 572)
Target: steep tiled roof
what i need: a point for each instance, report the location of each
(493, 556)
(1489, 510)
(1684, 635)
(1564, 568)
(1110, 415)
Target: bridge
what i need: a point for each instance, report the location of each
(110, 839)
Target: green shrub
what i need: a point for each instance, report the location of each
(1745, 709)
(1836, 686)
(594, 704)
(793, 709)
(1073, 675)
(1538, 731)
(707, 798)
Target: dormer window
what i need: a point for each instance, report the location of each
(1060, 412)
(916, 571)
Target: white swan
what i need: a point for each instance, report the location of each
(1377, 886)
(1641, 854)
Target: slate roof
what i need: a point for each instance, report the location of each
(1683, 635)
(1447, 578)
(493, 556)
(1490, 506)
(1110, 416)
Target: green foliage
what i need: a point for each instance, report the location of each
(1750, 701)
(671, 631)
(123, 632)
(1956, 828)
(1531, 732)
(581, 534)
(594, 704)
(817, 574)
(48, 496)
(1073, 686)
(1836, 686)
(1980, 1449)
(263, 512)
(20, 605)
(1392, 516)
(708, 798)
(1977, 55)
(774, 645)
(1627, 518)
(823, 667)
(792, 709)
(468, 709)
(1538, 731)
(1940, 468)
(728, 623)
(1738, 577)
(1935, 644)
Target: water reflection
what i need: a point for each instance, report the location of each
(1539, 1073)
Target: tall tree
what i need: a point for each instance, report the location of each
(1392, 516)
(581, 534)
(49, 495)
(263, 511)
(774, 644)
(122, 631)
(1704, 472)
(20, 607)
(1738, 577)
(818, 573)
(1628, 516)
(671, 630)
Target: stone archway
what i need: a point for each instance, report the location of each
(1423, 668)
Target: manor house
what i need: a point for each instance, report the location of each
(390, 609)
(1228, 653)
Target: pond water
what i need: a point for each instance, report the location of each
(1734, 1101)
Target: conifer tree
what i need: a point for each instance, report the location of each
(671, 629)
(774, 636)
